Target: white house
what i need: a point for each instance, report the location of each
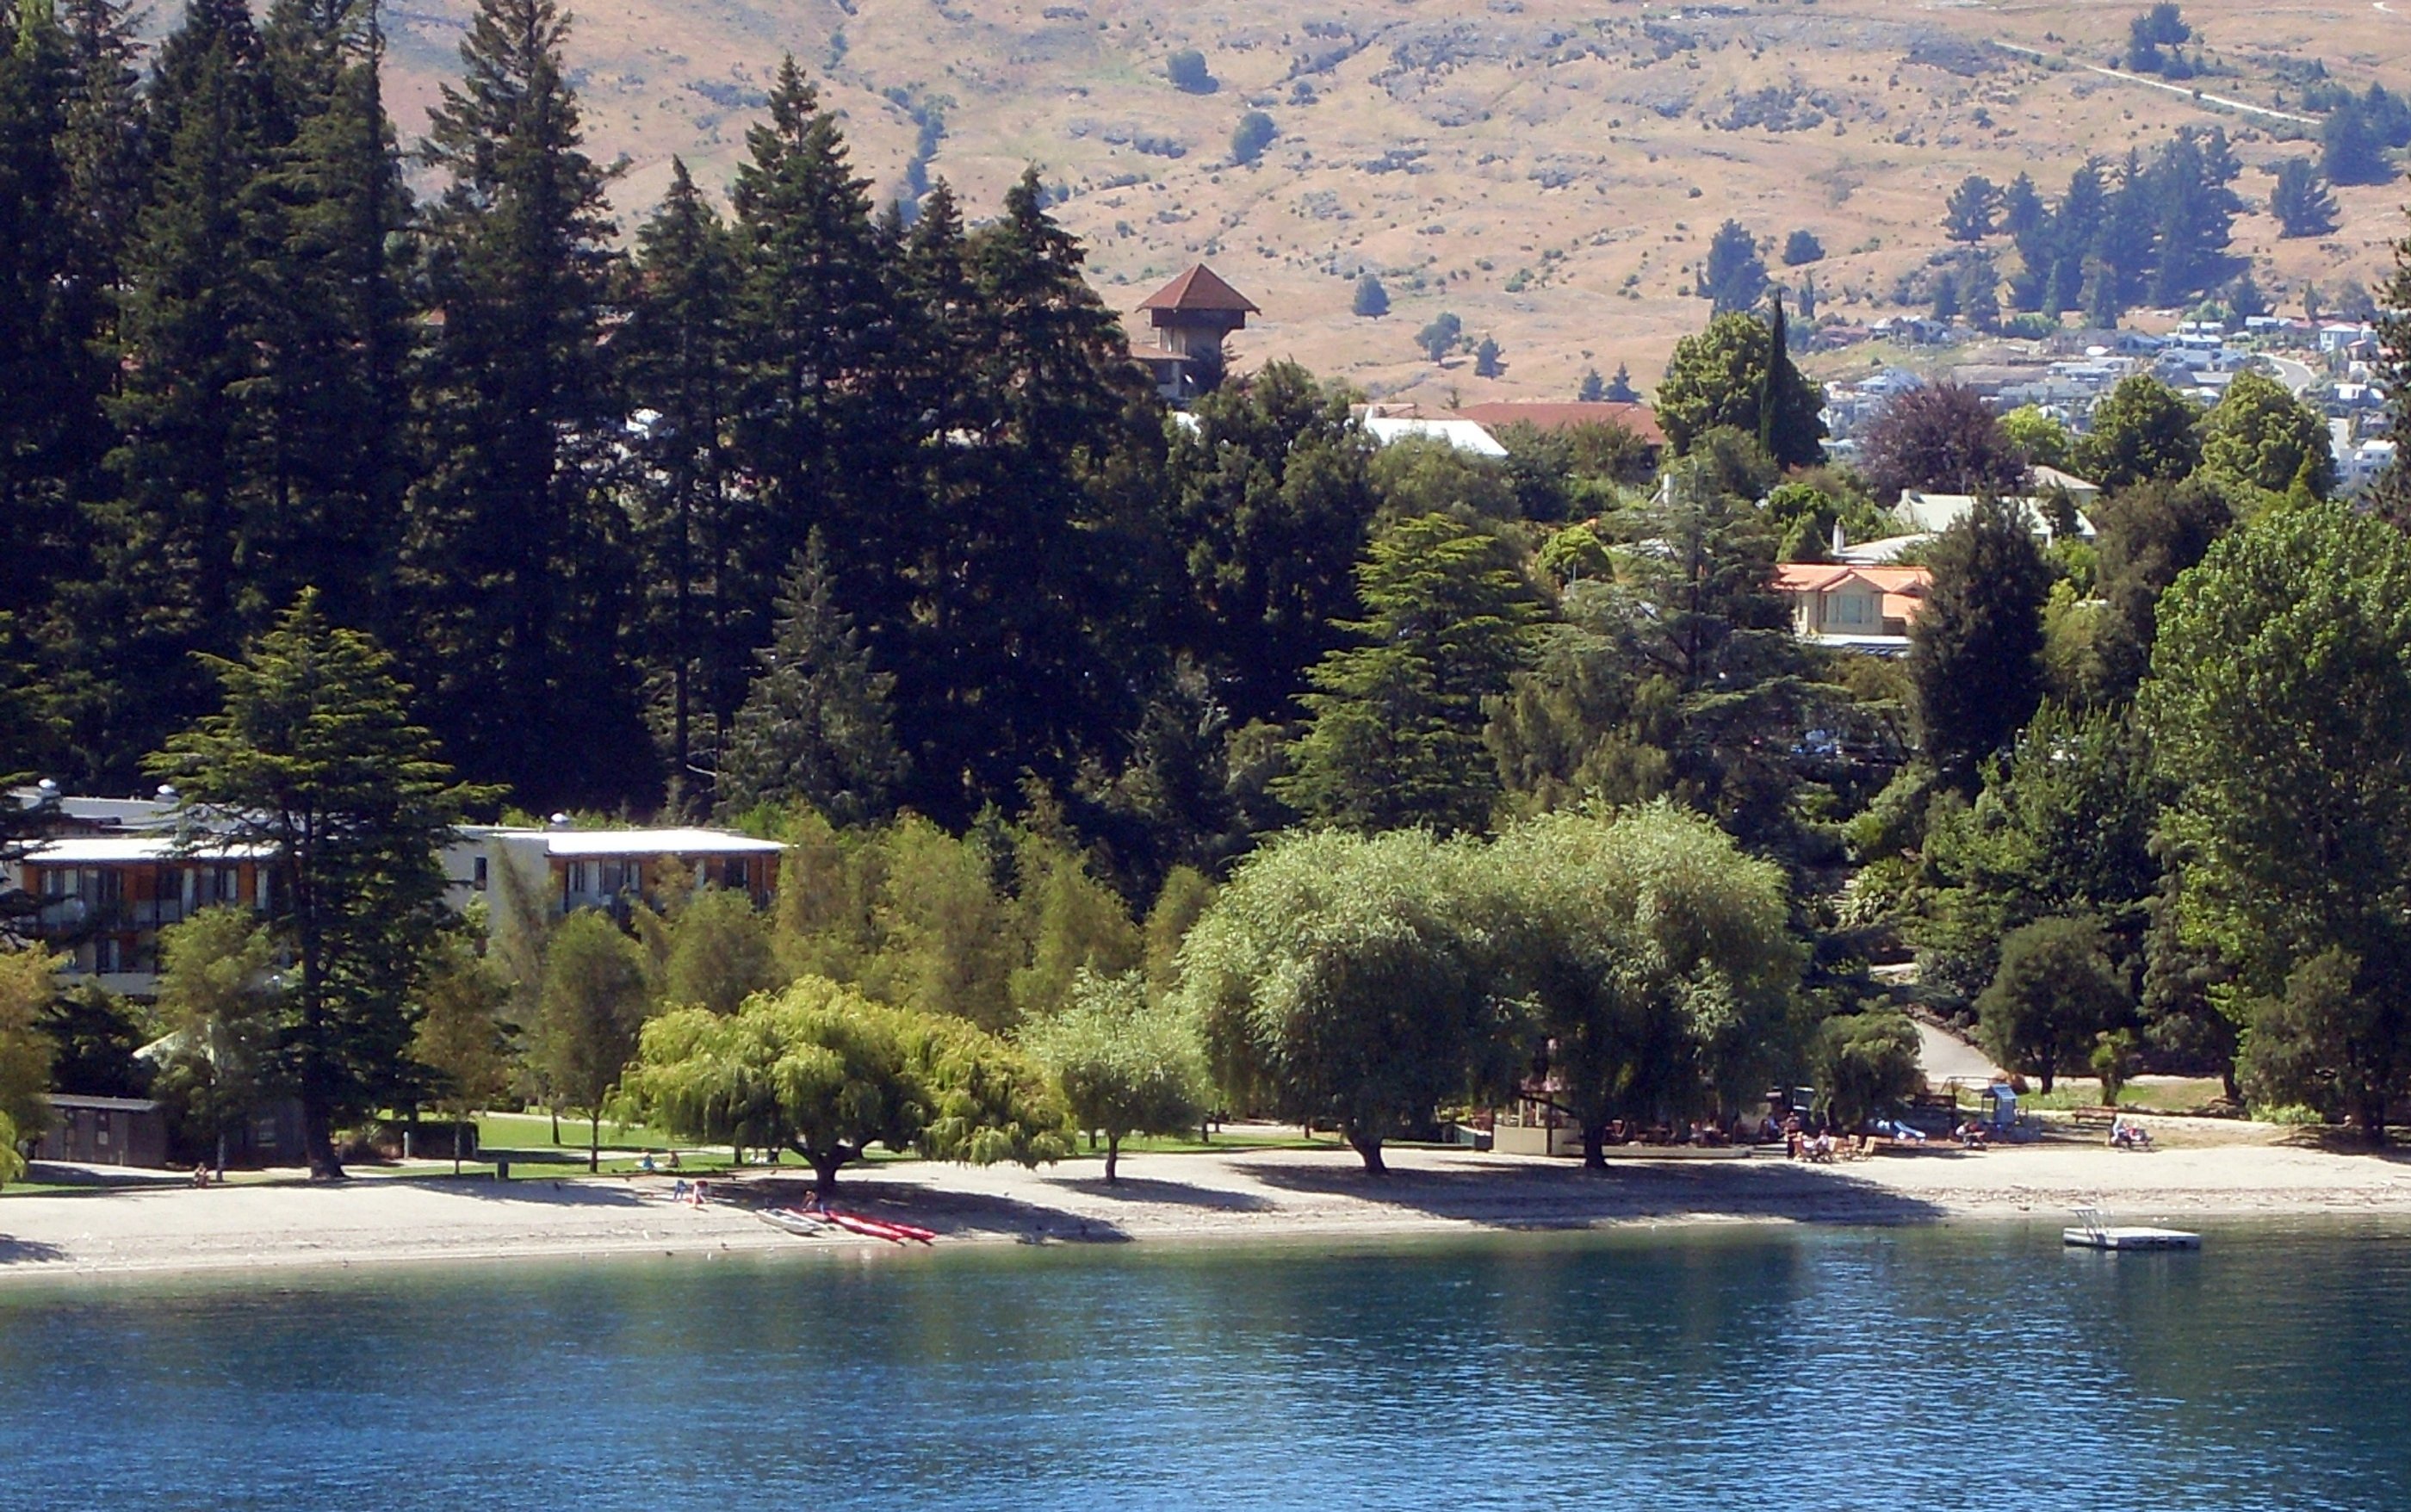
(1939, 511)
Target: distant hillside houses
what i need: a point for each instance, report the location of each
(2335, 368)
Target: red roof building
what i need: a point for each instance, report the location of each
(1191, 315)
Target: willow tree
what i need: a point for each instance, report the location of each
(1341, 980)
(1126, 1065)
(827, 1073)
(1655, 956)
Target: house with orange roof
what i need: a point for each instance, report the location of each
(1851, 606)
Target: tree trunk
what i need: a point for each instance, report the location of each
(456, 1145)
(1368, 1146)
(318, 1142)
(594, 1143)
(1113, 1155)
(2373, 1120)
(825, 1169)
(555, 1111)
(1595, 1146)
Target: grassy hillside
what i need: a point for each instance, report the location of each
(1549, 171)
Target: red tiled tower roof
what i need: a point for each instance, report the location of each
(1200, 289)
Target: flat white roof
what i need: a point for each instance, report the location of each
(658, 842)
(1465, 435)
(130, 850)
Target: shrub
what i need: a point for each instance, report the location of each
(1186, 68)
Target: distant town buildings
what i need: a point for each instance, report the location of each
(121, 870)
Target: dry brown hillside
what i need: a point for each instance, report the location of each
(1579, 155)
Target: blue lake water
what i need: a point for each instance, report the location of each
(1976, 1367)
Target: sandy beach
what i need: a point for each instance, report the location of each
(1255, 1195)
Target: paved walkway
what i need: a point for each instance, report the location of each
(1944, 1054)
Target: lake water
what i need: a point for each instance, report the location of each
(1976, 1366)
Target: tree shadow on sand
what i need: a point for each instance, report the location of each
(28, 1251)
(1149, 1189)
(950, 1214)
(1475, 1191)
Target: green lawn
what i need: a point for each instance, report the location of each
(2084, 1092)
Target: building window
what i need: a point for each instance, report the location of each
(477, 874)
(1850, 609)
(100, 1128)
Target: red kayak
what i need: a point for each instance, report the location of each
(895, 1233)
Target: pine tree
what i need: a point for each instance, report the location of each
(312, 758)
(1734, 275)
(2196, 213)
(2074, 226)
(1031, 647)
(47, 378)
(516, 569)
(816, 728)
(2023, 211)
(1620, 389)
(678, 359)
(2300, 201)
(173, 538)
(818, 340)
(1968, 216)
(1485, 359)
(2351, 149)
(326, 444)
(1593, 389)
(2128, 229)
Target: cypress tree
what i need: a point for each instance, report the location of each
(1778, 362)
(1975, 656)
(517, 572)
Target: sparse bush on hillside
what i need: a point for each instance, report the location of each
(1254, 132)
(1440, 336)
(1186, 68)
(1801, 248)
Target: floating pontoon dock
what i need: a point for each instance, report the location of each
(2091, 1233)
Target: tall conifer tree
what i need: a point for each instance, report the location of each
(327, 459)
(516, 570)
(817, 345)
(681, 374)
(172, 539)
